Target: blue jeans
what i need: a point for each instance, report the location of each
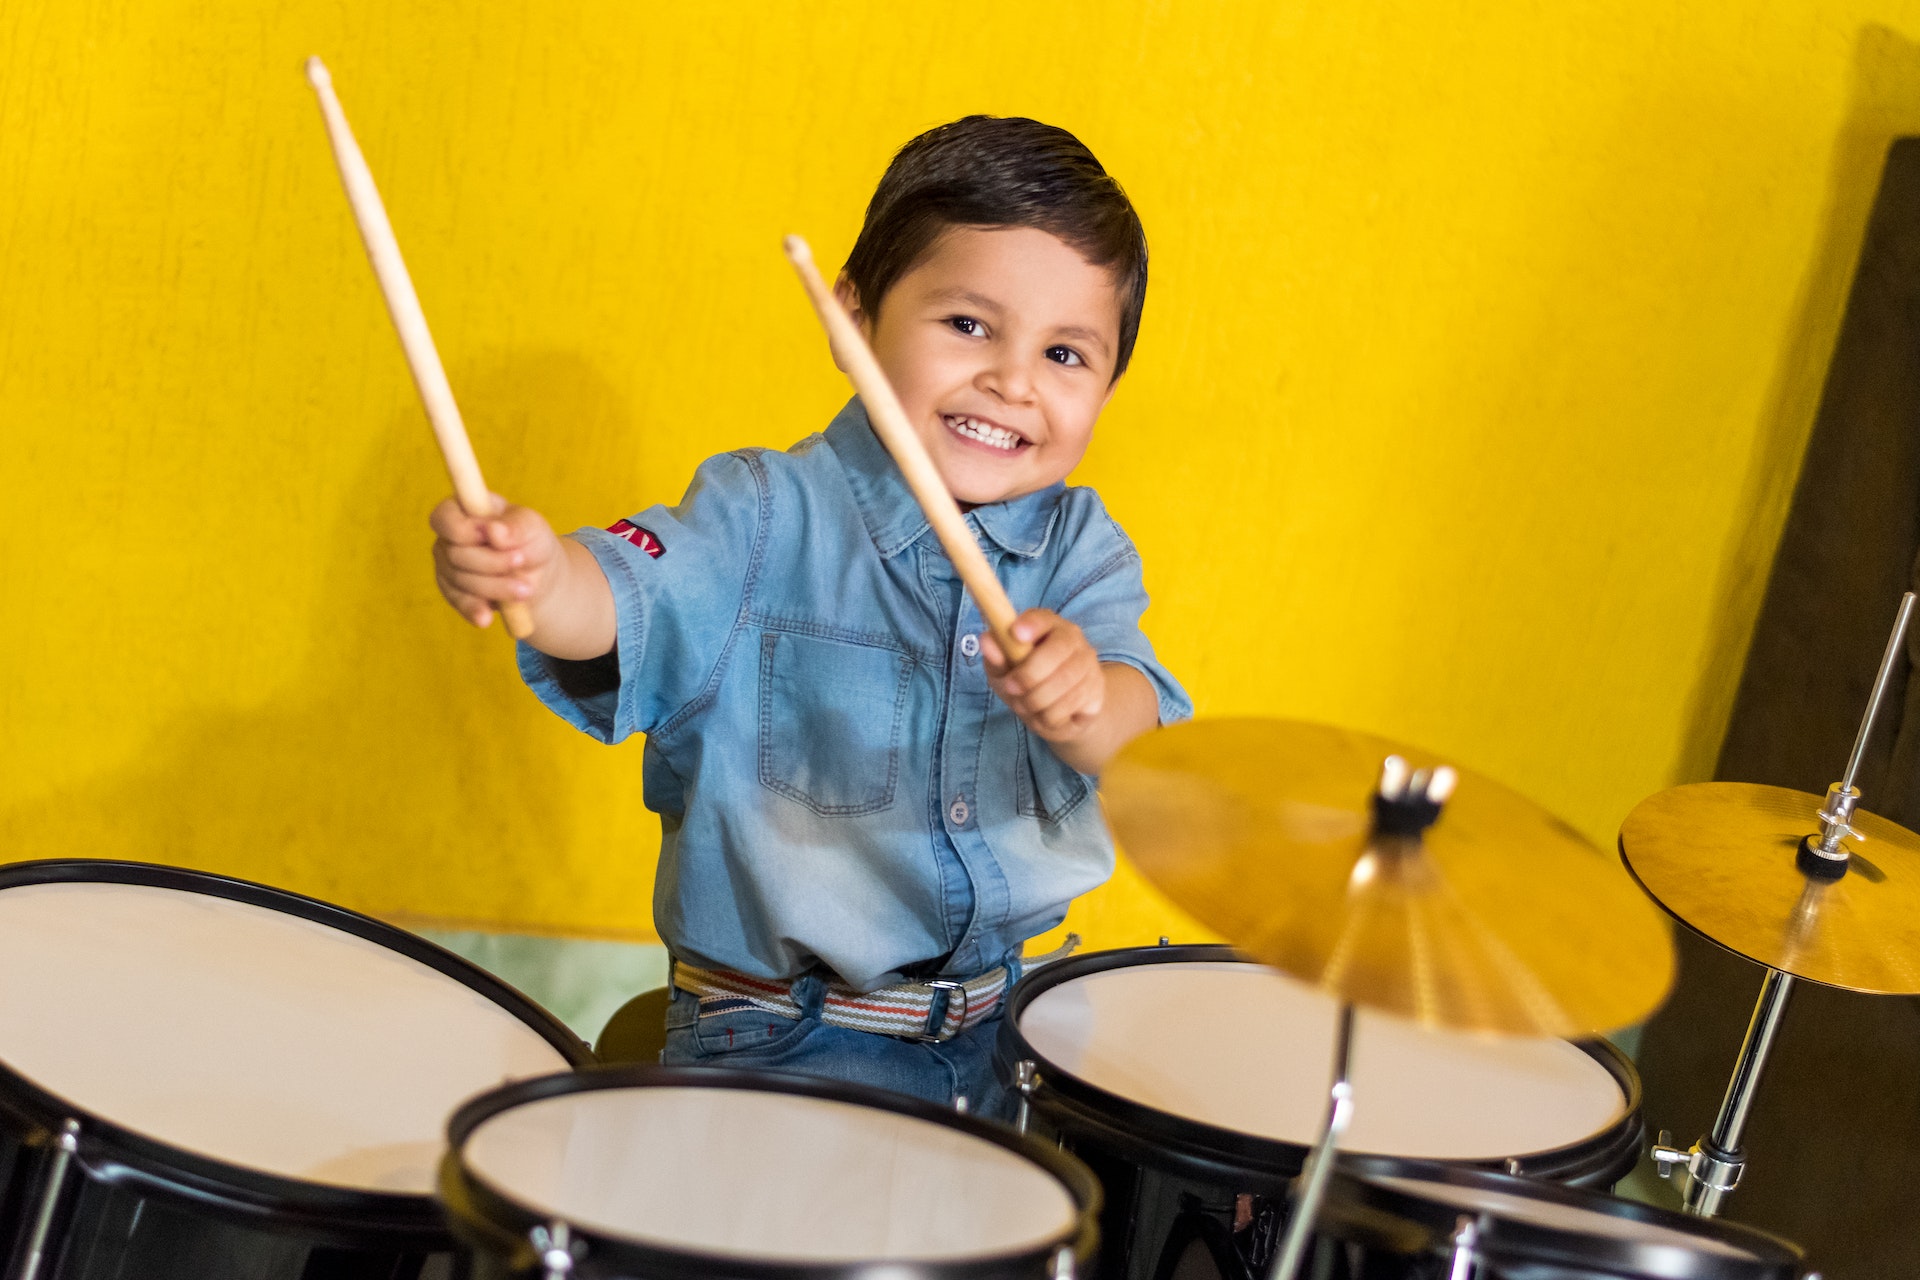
(755, 1040)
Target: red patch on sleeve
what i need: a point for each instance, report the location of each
(639, 537)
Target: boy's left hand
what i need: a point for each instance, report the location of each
(1058, 689)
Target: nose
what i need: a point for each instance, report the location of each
(1007, 378)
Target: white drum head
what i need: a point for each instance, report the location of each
(245, 1034)
(773, 1176)
(1555, 1216)
(1246, 1048)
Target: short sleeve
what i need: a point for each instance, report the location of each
(1106, 600)
(680, 577)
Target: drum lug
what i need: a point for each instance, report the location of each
(556, 1249)
(1062, 1268)
(1026, 1079)
(64, 1148)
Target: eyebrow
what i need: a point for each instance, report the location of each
(1080, 333)
(980, 301)
(969, 297)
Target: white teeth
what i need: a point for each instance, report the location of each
(998, 437)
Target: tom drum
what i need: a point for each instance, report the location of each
(1193, 1082)
(672, 1173)
(205, 1077)
(1396, 1220)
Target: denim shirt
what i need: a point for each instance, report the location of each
(837, 786)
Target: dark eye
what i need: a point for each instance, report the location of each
(1064, 355)
(965, 324)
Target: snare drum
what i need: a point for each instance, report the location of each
(1396, 1220)
(704, 1173)
(209, 1078)
(1193, 1081)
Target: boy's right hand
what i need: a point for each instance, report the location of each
(514, 556)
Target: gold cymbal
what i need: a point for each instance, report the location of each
(1719, 856)
(1500, 918)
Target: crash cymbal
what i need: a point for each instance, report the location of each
(1720, 857)
(1499, 918)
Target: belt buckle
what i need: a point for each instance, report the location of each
(931, 1034)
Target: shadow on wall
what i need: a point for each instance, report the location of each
(1884, 104)
(405, 769)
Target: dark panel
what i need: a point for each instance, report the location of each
(1834, 1141)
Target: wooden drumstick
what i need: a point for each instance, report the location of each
(383, 251)
(891, 425)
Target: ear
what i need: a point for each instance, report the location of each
(850, 299)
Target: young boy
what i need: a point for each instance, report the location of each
(865, 809)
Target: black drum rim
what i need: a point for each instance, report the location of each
(1162, 1139)
(493, 1219)
(1356, 1194)
(110, 1152)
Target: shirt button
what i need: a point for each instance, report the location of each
(970, 644)
(958, 812)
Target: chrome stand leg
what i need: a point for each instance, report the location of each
(1311, 1186)
(1714, 1163)
(64, 1148)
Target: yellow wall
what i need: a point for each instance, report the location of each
(1480, 350)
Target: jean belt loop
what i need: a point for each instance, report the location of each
(809, 991)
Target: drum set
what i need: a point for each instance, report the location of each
(1393, 1074)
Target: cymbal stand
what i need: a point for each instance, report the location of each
(1311, 1186)
(1405, 803)
(1714, 1163)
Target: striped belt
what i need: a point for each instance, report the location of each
(931, 1011)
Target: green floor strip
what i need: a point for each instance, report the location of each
(581, 983)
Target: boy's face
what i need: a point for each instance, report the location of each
(1000, 344)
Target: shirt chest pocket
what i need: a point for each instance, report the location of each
(830, 721)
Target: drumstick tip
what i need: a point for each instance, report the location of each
(317, 73)
(797, 251)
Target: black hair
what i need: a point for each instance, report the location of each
(1000, 171)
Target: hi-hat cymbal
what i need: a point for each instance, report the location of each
(1503, 919)
(1720, 857)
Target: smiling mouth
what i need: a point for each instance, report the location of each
(984, 433)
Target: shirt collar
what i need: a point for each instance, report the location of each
(1020, 526)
